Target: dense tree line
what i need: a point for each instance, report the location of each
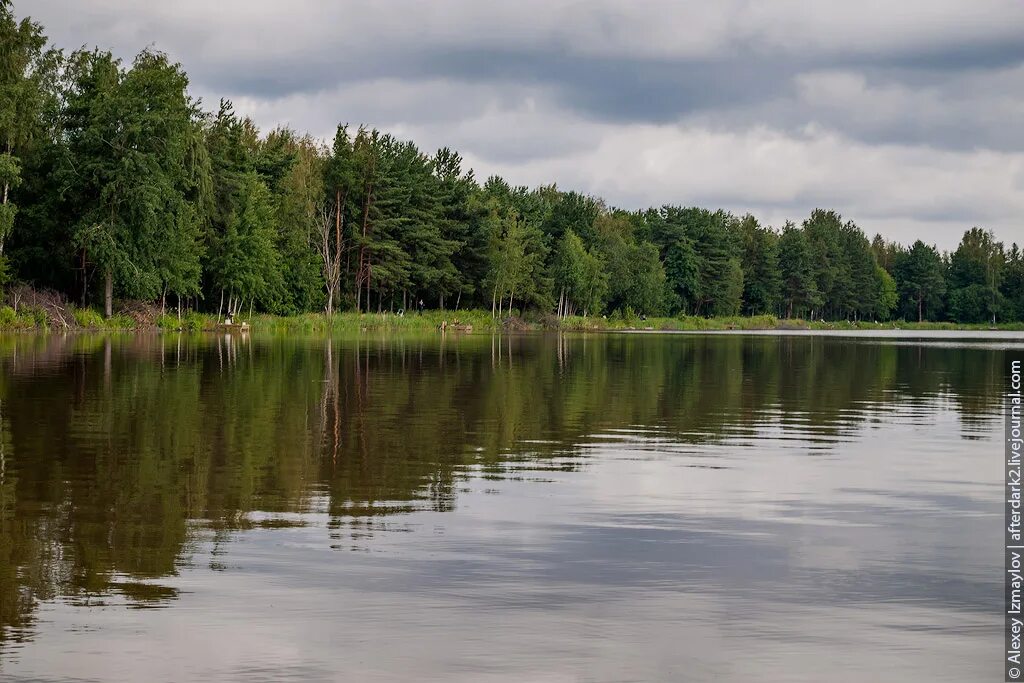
(116, 182)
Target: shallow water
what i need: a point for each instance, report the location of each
(527, 508)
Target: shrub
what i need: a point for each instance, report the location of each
(87, 317)
(168, 322)
(120, 321)
(194, 322)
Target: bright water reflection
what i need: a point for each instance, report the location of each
(544, 508)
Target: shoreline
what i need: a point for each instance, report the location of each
(470, 322)
(866, 333)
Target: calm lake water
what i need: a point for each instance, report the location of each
(527, 508)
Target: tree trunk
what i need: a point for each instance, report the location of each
(363, 270)
(6, 189)
(369, 285)
(220, 307)
(920, 308)
(179, 308)
(337, 224)
(6, 186)
(85, 282)
(108, 294)
(335, 283)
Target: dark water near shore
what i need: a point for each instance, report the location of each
(535, 508)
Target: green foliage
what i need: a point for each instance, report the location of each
(579, 276)
(25, 67)
(10, 178)
(248, 265)
(87, 318)
(36, 315)
(190, 322)
(920, 274)
(168, 322)
(298, 195)
(970, 304)
(710, 280)
(646, 279)
(681, 275)
(731, 290)
(90, 319)
(886, 295)
(25, 318)
(843, 265)
(636, 276)
(194, 322)
(119, 322)
(516, 256)
(976, 271)
(799, 289)
(1013, 284)
(762, 277)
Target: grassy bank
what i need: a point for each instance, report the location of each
(759, 322)
(428, 321)
(479, 321)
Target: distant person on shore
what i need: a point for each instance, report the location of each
(419, 306)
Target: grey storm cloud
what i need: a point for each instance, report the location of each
(640, 102)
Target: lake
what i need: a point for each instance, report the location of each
(520, 508)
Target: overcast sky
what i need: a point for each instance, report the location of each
(905, 116)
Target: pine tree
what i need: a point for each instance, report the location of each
(762, 279)
(799, 288)
(921, 280)
(975, 274)
(681, 275)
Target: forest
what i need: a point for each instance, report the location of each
(117, 184)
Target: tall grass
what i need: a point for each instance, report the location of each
(479, 320)
(428, 321)
(90, 319)
(25, 318)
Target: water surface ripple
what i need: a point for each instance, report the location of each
(525, 508)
